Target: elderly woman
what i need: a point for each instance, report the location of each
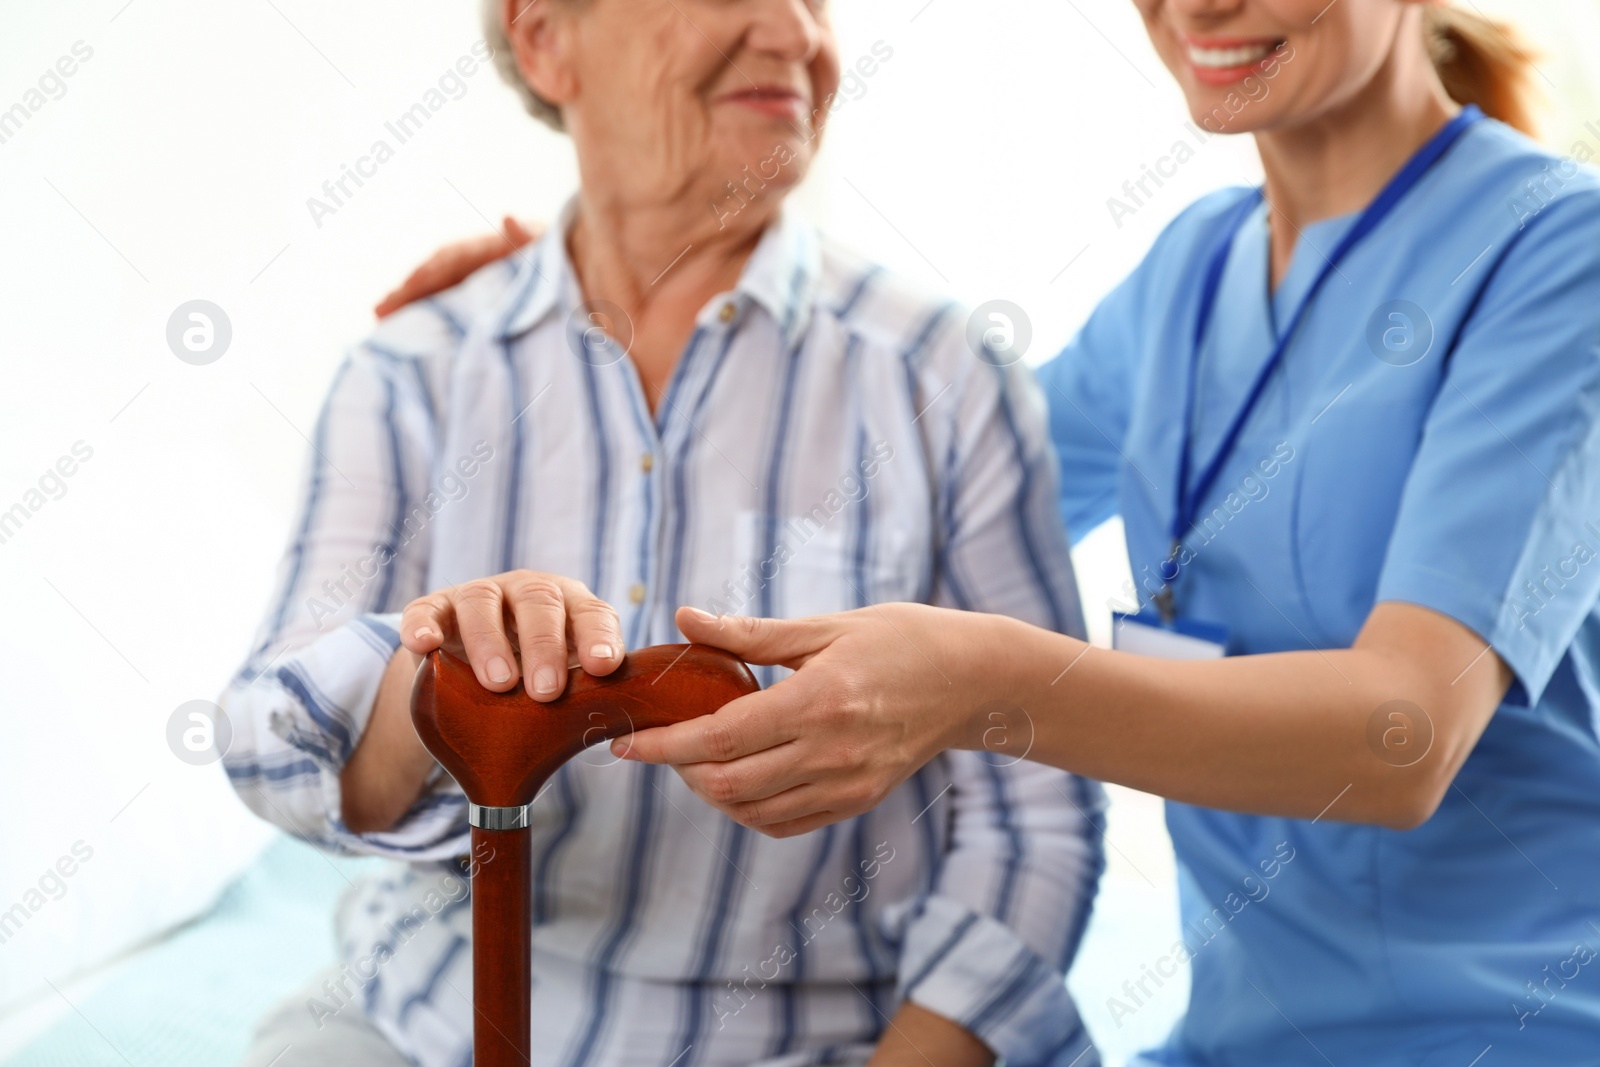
(680, 395)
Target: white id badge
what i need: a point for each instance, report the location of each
(1145, 634)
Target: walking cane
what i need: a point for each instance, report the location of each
(501, 748)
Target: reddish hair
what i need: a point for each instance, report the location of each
(1485, 63)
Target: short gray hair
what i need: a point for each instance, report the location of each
(505, 61)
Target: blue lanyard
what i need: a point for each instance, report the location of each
(1188, 500)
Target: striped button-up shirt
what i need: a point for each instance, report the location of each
(828, 440)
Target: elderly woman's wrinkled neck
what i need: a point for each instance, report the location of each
(640, 255)
(661, 264)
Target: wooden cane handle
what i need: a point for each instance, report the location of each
(503, 747)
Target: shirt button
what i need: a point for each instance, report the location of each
(727, 313)
(647, 462)
(636, 593)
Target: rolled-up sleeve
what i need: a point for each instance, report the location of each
(357, 554)
(990, 945)
(1499, 524)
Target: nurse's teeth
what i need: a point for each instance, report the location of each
(1223, 58)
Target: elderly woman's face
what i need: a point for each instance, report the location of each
(679, 97)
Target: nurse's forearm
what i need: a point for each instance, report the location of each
(1370, 734)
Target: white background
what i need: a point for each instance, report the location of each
(177, 165)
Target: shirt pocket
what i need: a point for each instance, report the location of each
(812, 567)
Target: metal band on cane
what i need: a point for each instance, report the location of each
(485, 818)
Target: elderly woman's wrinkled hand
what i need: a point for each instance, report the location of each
(518, 624)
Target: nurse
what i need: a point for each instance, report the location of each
(1351, 421)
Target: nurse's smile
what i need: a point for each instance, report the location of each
(1225, 60)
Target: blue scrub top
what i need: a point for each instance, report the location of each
(1433, 437)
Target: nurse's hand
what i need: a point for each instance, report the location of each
(876, 694)
(452, 264)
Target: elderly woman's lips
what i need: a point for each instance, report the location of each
(780, 103)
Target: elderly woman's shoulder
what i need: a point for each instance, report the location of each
(892, 314)
(437, 325)
(920, 328)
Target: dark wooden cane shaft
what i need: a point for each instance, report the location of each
(501, 748)
(502, 948)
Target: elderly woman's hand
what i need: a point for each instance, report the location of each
(876, 693)
(452, 264)
(520, 623)
(517, 624)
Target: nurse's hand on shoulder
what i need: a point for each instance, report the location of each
(877, 693)
(452, 264)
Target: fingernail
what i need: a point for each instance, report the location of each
(621, 749)
(499, 670)
(602, 652)
(703, 616)
(423, 633)
(544, 680)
